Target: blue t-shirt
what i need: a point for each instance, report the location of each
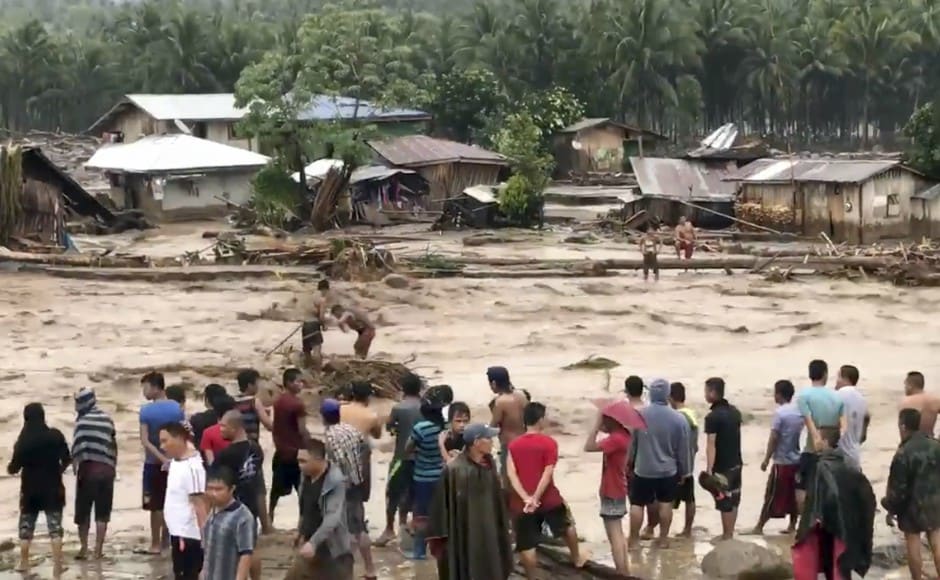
(155, 415)
(428, 460)
(788, 425)
(823, 405)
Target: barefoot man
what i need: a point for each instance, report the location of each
(916, 398)
(312, 330)
(685, 239)
(355, 319)
(508, 408)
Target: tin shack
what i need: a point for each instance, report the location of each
(674, 188)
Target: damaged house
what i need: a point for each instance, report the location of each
(600, 145)
(177, 176)
(449, 167)
(46, 197)
(854, 201)
(674, 188)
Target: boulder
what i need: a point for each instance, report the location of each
(396, 281)
(745, 560)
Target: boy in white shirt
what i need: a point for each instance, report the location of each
(185, 509)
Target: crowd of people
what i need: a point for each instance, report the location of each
(469, 506)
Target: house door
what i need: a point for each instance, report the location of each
(837, 229)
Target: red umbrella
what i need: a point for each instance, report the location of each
(624, 413)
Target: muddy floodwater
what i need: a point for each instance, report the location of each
(61, 334)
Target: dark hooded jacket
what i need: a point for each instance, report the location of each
(468, 515)
(42, 455)
(840, 499)
(913, 492)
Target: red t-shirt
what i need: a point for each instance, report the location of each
(213, 441)
(288, 408)
(531, 453)
(615, 447)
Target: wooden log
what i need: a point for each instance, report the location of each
(79, 260)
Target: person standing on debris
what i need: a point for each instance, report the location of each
(915, 398)
(686, 491)
(40, 456)
(94, 459)
(323, 539)
(186, 508)
(154, 415)
(535, 500)
(507, 408)
(685, 237)
(290, 433)
(401, 421)
(312, 330)
(649, 247)
(820, 407)
(468, 529)
(856, 413)
(348, 449)
(255, 415)
(723, 452)
(783, 446)
(357, 320)
(912, 498)
(231, 533)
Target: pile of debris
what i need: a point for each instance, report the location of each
(339, 372)
(68, 151)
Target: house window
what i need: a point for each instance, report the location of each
(894, 205)
(233, 132)
(191, 188)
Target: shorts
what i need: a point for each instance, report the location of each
(285, 476)
(154, 487)
(686, 247)
(311, 336)
(364, 341)
(729, 500)
(685, 492)
(187, 558)
(503, 458)
(422, 492)
(27, 524)
(650, 262)
(613, 508)
(97, 491)
(398, 489)
(806, 470)
(646, 491)
(528, 527)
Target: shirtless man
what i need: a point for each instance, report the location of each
(507, 407)
(357, 412)
(685, 239)
(355, 319)
(916, 398)
(312, 330)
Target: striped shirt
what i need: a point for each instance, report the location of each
(250, 417)
(428, 460)
(229, 534)
(94, 439)
(346, 448)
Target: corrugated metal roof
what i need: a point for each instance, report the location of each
(624, 193)
(207, 107)
(482, 193)
(421, 151)
(820, 170)
(331, 108)
(721, 138)
(682, 178)
(591, 122)
(318, 169)
(376, 172)
(929, 194)
(76, 197)
(173, 153)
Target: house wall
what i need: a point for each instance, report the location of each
(135, 123)
(601, 150)
(448, 180)
(196, 197)
(925, 218)
(875, 219)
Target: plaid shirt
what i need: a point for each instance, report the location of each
(345, 447)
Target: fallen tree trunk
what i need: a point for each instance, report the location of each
(80, 260)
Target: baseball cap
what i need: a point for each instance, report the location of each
(478, 431)
(498, 375)
(329, 407)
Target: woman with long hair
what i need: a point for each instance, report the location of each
(40, 456)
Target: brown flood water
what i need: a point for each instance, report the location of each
(60, 335)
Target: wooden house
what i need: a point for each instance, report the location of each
(600, 145)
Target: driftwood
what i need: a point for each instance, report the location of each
(80, 260)
(554, 563)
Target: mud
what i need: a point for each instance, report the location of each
(62, 334)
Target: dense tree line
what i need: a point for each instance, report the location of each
(808, 70)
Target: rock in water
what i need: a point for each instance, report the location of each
(745, 560)
(396, 281)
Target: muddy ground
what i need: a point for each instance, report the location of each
(62, 334)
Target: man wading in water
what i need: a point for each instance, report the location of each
(311, 331)
(357, 320)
